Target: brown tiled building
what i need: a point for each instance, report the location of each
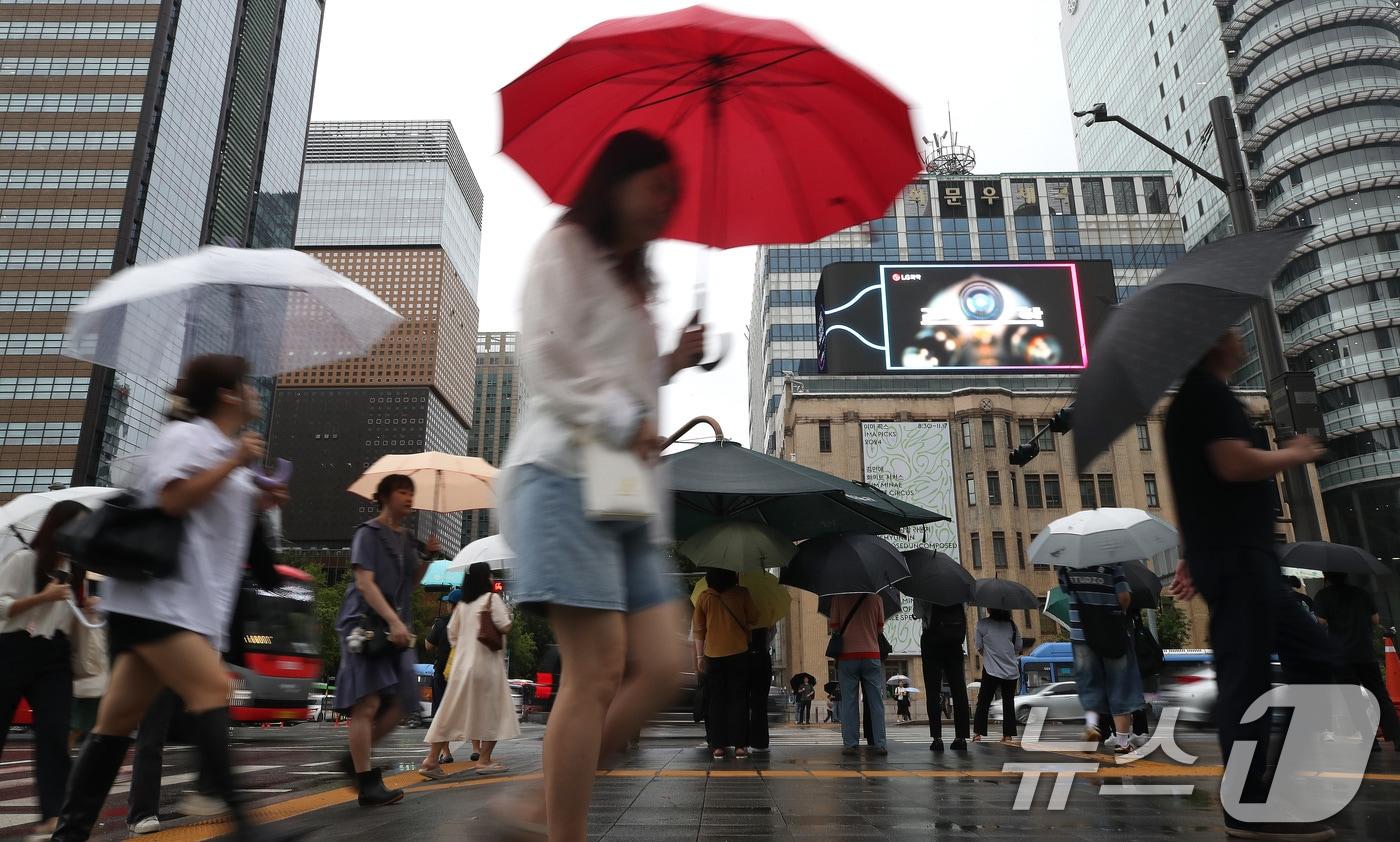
(129, 132)
(395, 207)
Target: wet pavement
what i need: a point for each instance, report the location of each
(804, 789)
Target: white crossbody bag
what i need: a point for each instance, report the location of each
(617, 485)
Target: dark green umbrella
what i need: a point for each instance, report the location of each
(845, 564)
(722, 480)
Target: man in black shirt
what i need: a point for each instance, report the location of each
(1223, 489)
(1351, 618)
(941, 644)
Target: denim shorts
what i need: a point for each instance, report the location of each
(563, 558)
(1107, 684)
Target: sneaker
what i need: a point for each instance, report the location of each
(1092, 734)
(150, 824)
(1279, 831)
(959, 745)
(1125, 748)
(850, 751)
(1329, 736)
(199, 804)
(880, 751)
(446, 758)
(1138, 740)
(476, 756)
(936, 745)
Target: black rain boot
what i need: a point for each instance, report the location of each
(373, 793)
(88, 784)
(216, 772)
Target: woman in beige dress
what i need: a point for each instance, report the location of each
(477, 705)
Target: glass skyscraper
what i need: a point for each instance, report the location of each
(129, 133)
(1126, 217)
(1316, 89)
(395, 206)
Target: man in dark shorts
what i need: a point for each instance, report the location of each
(1351, 618)
(1224, 499)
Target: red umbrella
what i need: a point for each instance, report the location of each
(777, 139)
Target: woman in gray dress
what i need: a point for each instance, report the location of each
(375, 690)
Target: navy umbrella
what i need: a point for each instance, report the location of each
(1155, 337)
(845, 564)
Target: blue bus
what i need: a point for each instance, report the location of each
(1051, 662)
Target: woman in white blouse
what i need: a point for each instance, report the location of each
(169, 632)
(36, 625)
(592, 367)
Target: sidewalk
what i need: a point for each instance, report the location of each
(671, 790)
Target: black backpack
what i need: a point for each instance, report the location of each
(948, 624)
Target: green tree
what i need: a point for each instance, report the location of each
(327, 607)
(529, 635)
(1173, 628)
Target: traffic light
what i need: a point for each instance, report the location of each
(1022, 455)
(498, 586)
(1063, 420)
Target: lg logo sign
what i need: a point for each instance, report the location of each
(897, 277)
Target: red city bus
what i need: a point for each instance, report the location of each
(273, 656)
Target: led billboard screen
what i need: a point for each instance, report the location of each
(1023, 317)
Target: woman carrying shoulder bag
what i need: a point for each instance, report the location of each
(169, 632)
(477, 705)
(36, 631)
(723, 617)
(376, 684)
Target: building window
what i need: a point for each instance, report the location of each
(1161, 91)
(1154, 191)
(1167, 121)
(1015, 492)
(1176, 71)
(1181, 103)
(1149, 485)
(1047, 441)
(1087, 497)
(976, 552)
(1006, 430)
(1027, 431)
(1156, 61)
(971, 489)
(1144, 436)
(1107, 497)
(1034, 500)
(1092, 193)
(1020, 551)
(967, 434)
(1053, 500)
(989, 432)
(1125, 196)
(1151, 28)
(999, 550)
(993, 488)
(824, 436)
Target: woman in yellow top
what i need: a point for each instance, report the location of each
(724, 616)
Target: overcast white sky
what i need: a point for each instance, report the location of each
(996, 63)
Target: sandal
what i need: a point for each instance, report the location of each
(491, 768)
(432, 773)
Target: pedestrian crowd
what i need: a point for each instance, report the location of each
(589, 561)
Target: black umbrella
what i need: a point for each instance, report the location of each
(830, 687)
(935, 577)
(1156, 336)
(723, 480)
(1003, 593)
(889, 596)
(842, 564)
(796, 680)
(1330, 558)
(1146, 585)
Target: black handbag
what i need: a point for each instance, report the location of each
(1149, 652)
(125, 540)
(262, 556)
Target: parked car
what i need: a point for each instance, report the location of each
(1196, 692)
(1060, 701)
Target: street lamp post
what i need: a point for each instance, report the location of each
(1292, 394)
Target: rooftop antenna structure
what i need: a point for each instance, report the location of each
(945, 156)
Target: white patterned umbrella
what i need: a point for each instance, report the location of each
(1102, 536)
(280, 309)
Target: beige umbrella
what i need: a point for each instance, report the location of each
(442, 482)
